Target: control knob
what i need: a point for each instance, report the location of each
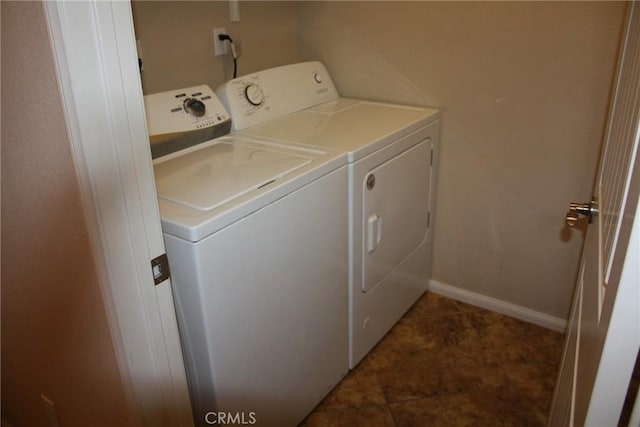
(253, 94)
(194, 106)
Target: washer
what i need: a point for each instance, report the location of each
(256, 236)
(390, 151)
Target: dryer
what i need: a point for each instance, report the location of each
(391, 151)
(256, 236)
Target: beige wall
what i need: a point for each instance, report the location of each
(55, 336)
(176, 39)
(524, 92)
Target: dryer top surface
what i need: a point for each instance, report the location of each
(356, 127)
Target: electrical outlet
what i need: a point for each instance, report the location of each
(220, 47)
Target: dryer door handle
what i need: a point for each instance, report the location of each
(374, 231)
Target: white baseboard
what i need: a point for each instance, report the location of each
(499, 306)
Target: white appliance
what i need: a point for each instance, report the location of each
(181, 118)
(256, 236)
(391, 151)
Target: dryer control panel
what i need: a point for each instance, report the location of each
(272, 93)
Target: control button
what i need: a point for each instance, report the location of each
(181, 95)
(196, 94)
(175, 110)
(253, 94)
(204, 98)
(205, 125)
(194, 106)
(317, 77)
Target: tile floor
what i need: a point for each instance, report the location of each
(447, 363)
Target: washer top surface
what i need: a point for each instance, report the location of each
(204, 188)
(356, 127)
(214, 175)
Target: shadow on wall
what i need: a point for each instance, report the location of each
(567, 232)
(358, 67)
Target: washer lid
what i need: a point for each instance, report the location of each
(208, 177)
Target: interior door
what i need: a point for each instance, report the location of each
(604, 327)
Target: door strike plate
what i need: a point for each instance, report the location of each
(160, 269)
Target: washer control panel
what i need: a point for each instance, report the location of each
(181, 118)
(183, 110)
(272, 93)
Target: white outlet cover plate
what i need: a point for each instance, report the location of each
(220, 47)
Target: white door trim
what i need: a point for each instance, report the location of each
(94, 47)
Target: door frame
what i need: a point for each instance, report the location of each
(93, 44)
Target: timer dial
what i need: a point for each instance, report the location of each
(194, 106)
(253, 94)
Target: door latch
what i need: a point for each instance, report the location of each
(160, 269)
(576, 210)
